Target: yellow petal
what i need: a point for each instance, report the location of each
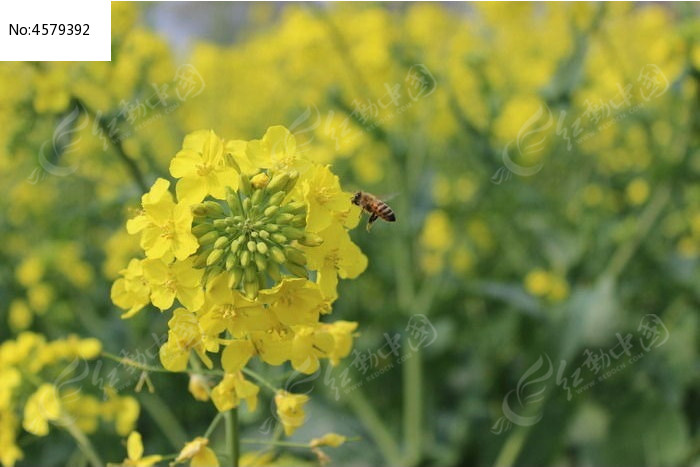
(191, 190)
(173, 357)
(134, 446)
(205, 458)
(236, 355)
(185, 163)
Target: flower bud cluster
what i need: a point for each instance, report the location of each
(254, 235)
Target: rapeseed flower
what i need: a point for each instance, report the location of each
(290, 410)
(252, 250)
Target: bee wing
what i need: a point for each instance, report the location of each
(389, 197)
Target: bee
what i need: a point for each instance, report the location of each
(376, 208)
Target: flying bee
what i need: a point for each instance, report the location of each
(376, 208)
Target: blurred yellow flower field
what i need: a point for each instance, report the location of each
(186, 278)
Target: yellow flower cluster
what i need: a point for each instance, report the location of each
(28, 364)
(547, 284)
(248, 253)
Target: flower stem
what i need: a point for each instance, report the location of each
(213, 425)
(165, 419)
(232, 439)
(413, 404)
(83, 442)
(202, 371)
(288, 444)
(259, 379)
(372, 421)
(511, 447)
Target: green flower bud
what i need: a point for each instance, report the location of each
(208, 208)
(212, 271)
(230, 261)
(279, 238)
(296, 207)
(292, 233)
(251, 289)
(277, 255)
(221, 242)
(233, 201)
(293, 177)
(201, 229)
(250, 273)
(201, 259)
(284, 218)
(299, 271)
(260, 261)
(235, 244)
(245, 258)
(245, 185)
(214, 256)
(298, 221)
(311, 239)
(257, 197)
(271, 210)
(273, 270)
(199, 210)
(295, 256)
(221, 224)
(252, 237)
(208, 238)
(278, 182)
(235, 277)
(277, 198)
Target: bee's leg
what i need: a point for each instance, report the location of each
(371, 220)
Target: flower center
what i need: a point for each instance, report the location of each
(171, 285)
(204, 169)
(254, 237)
(323, 195)
(229, 311)
(168, 230)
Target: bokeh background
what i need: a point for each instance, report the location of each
(544, 166)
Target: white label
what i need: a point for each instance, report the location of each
(65, 30)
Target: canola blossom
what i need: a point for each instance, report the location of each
(235, 254)
(41, 377)
(247, 254)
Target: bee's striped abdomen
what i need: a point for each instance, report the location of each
(384, 211)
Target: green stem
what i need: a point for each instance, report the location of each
(155, 369)
(131, 165)
(83, 442)
(288, 444)
(165, 419)
(374, 425)
(412, 404)
(259, 379)
(212, 426)
(646, 221)
(511, 447)
(232, 436)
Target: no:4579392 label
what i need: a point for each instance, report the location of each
(51, 29)
(55, 30)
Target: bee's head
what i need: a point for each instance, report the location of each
(356, 198)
